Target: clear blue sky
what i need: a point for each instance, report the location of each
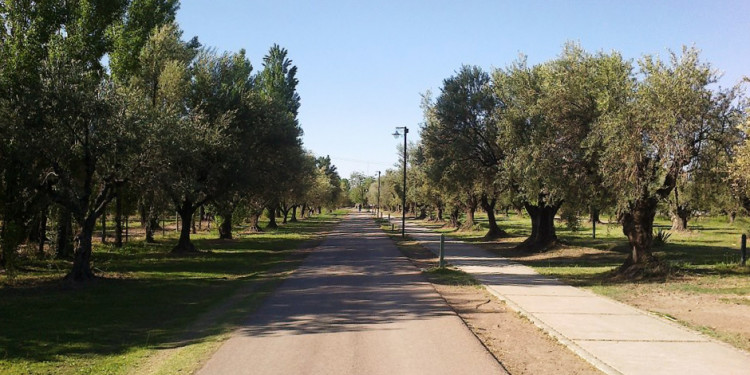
(363, 64)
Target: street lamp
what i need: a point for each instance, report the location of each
(396, 134)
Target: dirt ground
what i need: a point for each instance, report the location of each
(723, 316)
(517, 343)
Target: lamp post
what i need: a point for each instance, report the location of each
(396, 134)
(377, 211)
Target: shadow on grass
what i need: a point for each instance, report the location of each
(112, 316)
(147, 298)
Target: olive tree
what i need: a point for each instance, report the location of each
(670, 123)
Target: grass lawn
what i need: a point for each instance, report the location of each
(706, 289)
(147, 302)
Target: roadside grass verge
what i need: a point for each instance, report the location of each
(146, 301)
(449, 276)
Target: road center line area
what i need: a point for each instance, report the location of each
(355, 306)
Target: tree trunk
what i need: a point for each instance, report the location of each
(469, 223)
(225, 228)
(152, 223)
(64, 240)
(488, 205)
(34, 232)
(272, 218)
(638, 226)
(118, 221)
(284, 214)
(732, 215)
(143, 213)
(201, 215)
(680, 216)
(184, 245)
(542, 227)
(303, 211)
(42, 232)
(104, 228)
(422, 213)
(320, 210)
(192, 224)
(254, 227)
(293, 219)
(594, 216)
(440, 218)
(82, 254)
(454, 218)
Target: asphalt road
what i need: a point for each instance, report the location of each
(355, 306)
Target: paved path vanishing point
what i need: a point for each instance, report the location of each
(355, 306)
(614, 337)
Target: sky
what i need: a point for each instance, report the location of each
(364, 65)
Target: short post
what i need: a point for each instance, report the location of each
(743, 250)
(441, 263)
(593, 227)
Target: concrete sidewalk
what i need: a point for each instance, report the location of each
(614, 337)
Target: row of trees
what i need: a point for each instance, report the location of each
(104, 100)
(582, 133)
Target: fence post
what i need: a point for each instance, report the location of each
(441, 263)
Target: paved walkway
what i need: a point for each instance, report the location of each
(355, 306)
(614, 337)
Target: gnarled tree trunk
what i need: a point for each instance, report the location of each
(439, 218)
(225, 228)
(471, 209)
(638, 226)
(184, 245)
(254, 218)
(272, 218)
(454, 218)
(594, 216)
(82, 254)
(680, 216)
(542, 227)
(293, 219)
(488, 205)
(152, 224)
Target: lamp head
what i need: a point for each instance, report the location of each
(396, 134)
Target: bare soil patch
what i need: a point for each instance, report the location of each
(518, 344)
(723, 316)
